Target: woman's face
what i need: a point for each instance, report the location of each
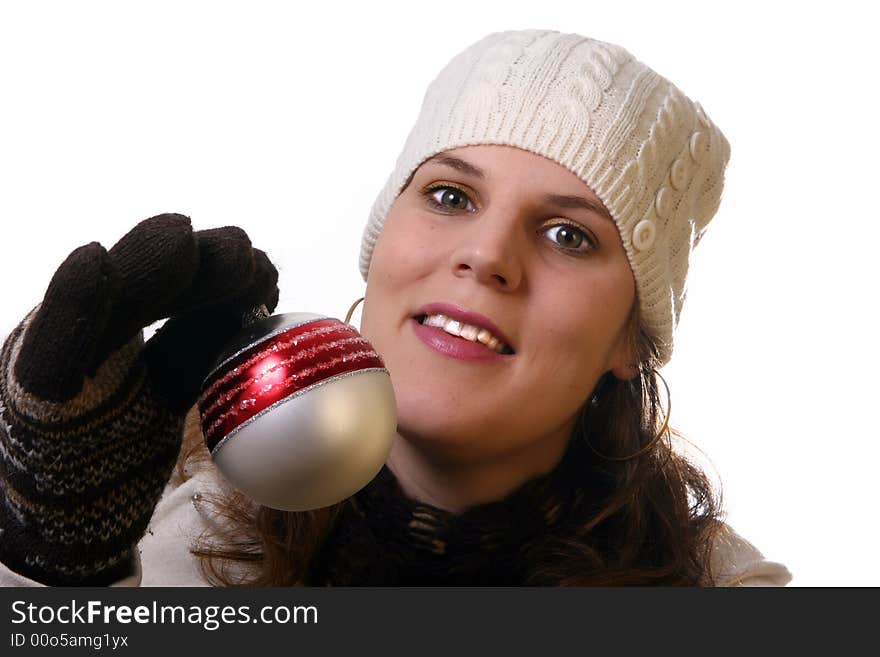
(520, 240)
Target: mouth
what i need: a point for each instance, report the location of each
(463, 330)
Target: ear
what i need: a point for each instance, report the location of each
(625, 372)
(623, 363)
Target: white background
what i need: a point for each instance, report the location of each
(286, 118)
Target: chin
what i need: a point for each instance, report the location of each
(443, 447)
(431, 430)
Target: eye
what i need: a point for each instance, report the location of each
(447, 197)
(571, 238)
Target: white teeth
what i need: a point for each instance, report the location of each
(466, 331)
(453, 326)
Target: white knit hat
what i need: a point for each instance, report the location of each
(649, 152)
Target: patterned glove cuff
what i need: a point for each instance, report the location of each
(81, 477)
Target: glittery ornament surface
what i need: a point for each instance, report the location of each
(277, 368)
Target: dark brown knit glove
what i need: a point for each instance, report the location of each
(91, 418)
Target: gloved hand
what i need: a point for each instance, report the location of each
(91, 418)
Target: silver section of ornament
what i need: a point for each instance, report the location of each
(316, 447)
(259, 331)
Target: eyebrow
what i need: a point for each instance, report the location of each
(459, 165)
(578, 203)
(564, 201)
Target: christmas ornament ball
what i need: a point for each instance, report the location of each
(299, 411)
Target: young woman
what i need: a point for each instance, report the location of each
(525, 267)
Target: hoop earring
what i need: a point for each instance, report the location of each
(654, 440)
(351, 310)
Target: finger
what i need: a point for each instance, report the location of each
(184, 350)
(62, 339)
(263, 288)
(225, 270)
(158, 260)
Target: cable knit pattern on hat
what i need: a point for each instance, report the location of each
(650, 153)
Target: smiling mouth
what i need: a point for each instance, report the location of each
(465, 332)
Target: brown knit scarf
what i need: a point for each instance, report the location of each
(385, 538)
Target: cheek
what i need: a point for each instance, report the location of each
(578, 327)
(565, 367)
(399, 258)
(405, 249)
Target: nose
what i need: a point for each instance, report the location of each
(489, 251)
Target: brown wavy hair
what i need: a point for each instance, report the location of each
(651, 520)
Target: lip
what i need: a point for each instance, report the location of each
(466, 316)
(455, 347)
